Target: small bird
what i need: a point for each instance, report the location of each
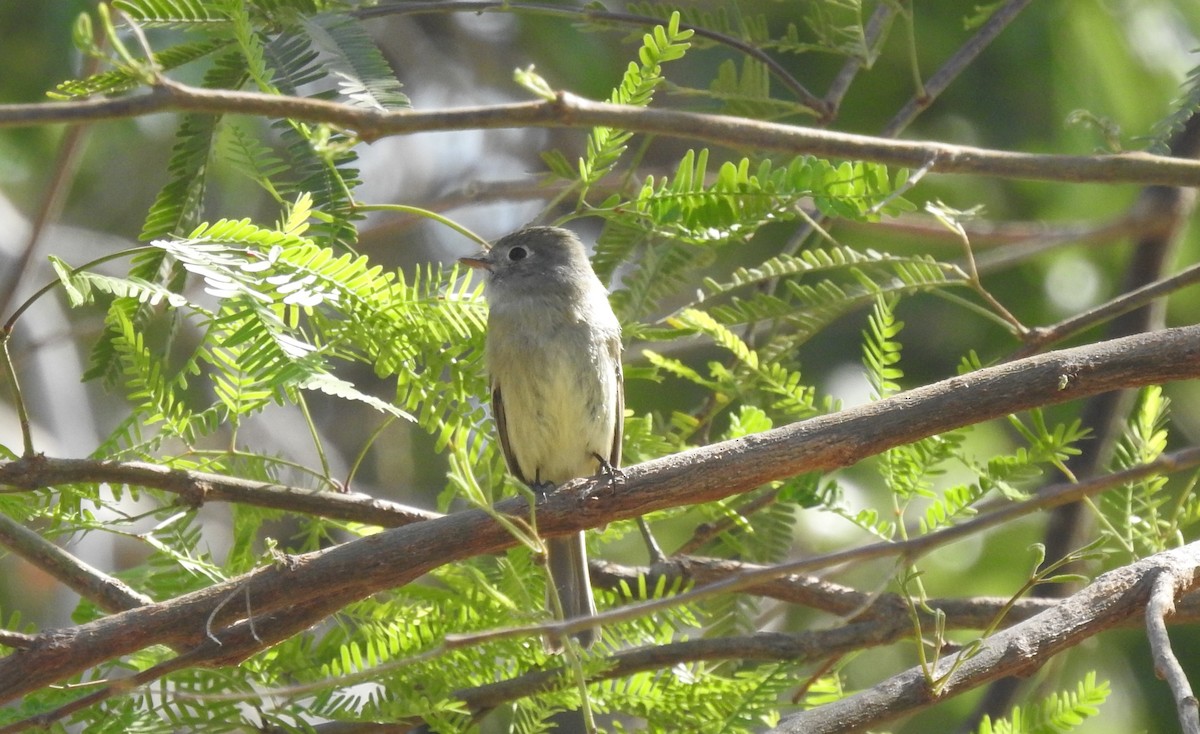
(554, 358)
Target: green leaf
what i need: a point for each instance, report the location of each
(172, 12)
(122, 80)
(1056, 714)
(881, 350)
(363, 76)
(605, 145)
(1135, 515)
(179, 203)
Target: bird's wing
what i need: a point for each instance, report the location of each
(614, 457)
(502, 431)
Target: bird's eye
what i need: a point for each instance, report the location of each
(517, 253)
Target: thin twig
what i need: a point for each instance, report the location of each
(1042, 336)
(27, 449)
(997, 237)
(813, 592)
(11, 323)
(196, 487)
(954, 66)
(878, 24)
(1019, 250)
(595, 15)
(1162, 604)
(950, 219)
(62, 172)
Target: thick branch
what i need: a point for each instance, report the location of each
(569, 111)
(282, 593)
(1112, 599)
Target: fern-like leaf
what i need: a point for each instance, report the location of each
(1186, 107)
(172, 12)
(746, 93)
(178, 206)
(881, 349)
(1058, 713)
(1134, 513)
(605, 144)
(363, 75)
(122, 80)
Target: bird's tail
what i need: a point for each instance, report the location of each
(567, 562)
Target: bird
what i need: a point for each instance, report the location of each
(553, 354)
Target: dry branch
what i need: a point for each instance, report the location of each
(1161, 604)
(569, 111)
(197, 487)
(1112, 599)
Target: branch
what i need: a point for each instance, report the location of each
(817, 593)
(36, 472)
(570, 111)
(11, 638)
(1039, 337)
(1113, 599)
(109, 593)
(281, 595)
(796, 649)
(599, 15)
(1162, 603)
(954, 66)
(878, 630)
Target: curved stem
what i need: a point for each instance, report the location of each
(18, 400)
(404, 209)
(362, 452)
(12, 320)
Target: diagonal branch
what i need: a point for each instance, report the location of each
(797, 648)
(281, 595)
(1113, 599)
(954, 66)
(107, 592)
(816, 593)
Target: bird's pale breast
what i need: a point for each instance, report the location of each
(559, 403)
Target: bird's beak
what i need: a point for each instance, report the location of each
(479, 263)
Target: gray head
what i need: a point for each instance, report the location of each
(536, 259)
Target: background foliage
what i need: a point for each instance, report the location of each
(241, 297)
